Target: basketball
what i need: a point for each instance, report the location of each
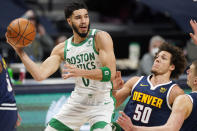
(21, 32)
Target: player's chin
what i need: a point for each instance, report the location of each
(154, 71)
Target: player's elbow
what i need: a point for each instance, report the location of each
(39, 78)
(171, 127)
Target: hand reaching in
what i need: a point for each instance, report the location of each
(194, 27)
(71, 71)
(125, 122)
(118, 82)
(18, 122)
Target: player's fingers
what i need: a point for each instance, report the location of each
(65, 71)
(6, 36)
(116, 76)
(122, 82)
(66, 76)
(119, 120)
(118, 73)
(18, 122)
(123, 114)
(191, 35)
(194, 26)
(194, 38)
(69, 66)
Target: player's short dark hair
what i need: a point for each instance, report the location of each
(178, 58)
(72, 6)
(195, 67)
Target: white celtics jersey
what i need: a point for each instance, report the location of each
(85, 56)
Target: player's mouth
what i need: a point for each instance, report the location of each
(156, 66)
(83, 28)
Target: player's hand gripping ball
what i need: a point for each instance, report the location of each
(20, 32)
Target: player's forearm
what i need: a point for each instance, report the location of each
(31, 67)
(119, 101)
(119, 98)
(154, 128)
(103, 74)
(95, 74)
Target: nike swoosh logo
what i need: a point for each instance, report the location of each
(106, 103)
(143, 85)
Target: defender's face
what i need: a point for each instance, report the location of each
(161, 63)
(79, 21)
(191, 76)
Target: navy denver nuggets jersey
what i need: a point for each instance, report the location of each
(148, 105)
(8, 109)
(190, 124)
(7, 100)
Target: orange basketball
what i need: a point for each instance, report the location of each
(21, 32)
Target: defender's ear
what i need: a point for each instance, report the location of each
(172, 67)
(195, 80)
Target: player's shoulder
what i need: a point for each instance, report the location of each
(132, 81)
(183, 101)
(59, 49)
(177, 90)
(183, 97)
(101, 33)
(59, 46)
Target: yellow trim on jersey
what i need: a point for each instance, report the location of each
(4, 63)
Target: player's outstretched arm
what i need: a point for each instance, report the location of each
(43, 70)
(105, 48)
(122, 94)
(194, 27)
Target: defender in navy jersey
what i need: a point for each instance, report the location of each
(152, 96)
(153, 100)
(8, 109)
(184, 110)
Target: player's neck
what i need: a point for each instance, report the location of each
(78, 39)
(194, 89)
(159, 79)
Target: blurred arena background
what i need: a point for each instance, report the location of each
(128, 21)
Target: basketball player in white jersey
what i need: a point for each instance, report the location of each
(90, 58)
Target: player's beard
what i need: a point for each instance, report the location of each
(81, 34)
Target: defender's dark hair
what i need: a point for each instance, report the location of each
(195, 68)
(72, 6)
(177, 59)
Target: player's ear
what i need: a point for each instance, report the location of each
(69, 21)
(195, 80)
(172, 67)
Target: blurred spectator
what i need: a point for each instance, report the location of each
(43, 43)
(148, 58)
(191, 50)
(60, 39)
